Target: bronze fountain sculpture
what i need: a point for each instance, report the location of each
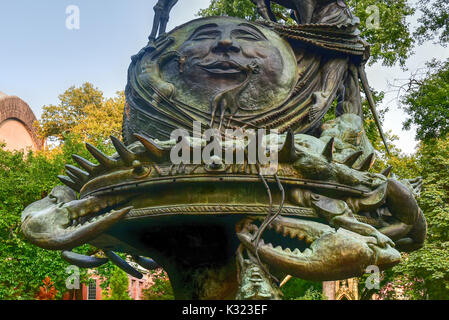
(231, 230)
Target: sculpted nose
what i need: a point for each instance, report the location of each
(225, 45)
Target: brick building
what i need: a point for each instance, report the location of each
(17, 125)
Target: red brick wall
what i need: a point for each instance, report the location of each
(14, 108)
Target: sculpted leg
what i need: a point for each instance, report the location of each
(158, 11)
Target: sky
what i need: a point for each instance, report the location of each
(40, 57)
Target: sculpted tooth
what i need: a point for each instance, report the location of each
(103, 159)
(301, 236)
(85, 164)
(127, 156)
(307, 252)
(352, 159)
(70, 183)
(270, 245)
(287, 154)
(285, 232)
(368, 163)
(278, 248)
(297, 252)
(292, 234)
(278, 228)
(328, 151)
(288, 250)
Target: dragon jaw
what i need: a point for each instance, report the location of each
(59, 221)
(322, 253)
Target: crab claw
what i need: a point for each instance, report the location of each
(321, 252)
(60, 222)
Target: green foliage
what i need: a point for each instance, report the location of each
(426, 102)
(119, 284)
(298, 289)
(58, 120)
(312, 294)
(434, 21)
(391, 43)
(161, 289)
(78, 112)
(24, 180)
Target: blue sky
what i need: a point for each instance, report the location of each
(40, 58)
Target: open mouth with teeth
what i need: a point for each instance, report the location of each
(93, 209)
(314, 251)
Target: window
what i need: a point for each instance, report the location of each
(92, 290)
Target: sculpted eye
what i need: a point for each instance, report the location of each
(206, 35)
(246, 35)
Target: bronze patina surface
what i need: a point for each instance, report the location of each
(230, 230)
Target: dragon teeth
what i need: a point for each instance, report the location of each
(278, 248)
(296, 252)
(288, 250)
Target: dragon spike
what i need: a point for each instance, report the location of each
(70, 183)
(387, 171)
(328, 151)
(368, 163)
(352, 159)
(103, 159)
(153, 148)
(148, 264)
(82, 261)
(81, 175)
(122, 264)
(127, 156)
(74, 178)
(287, 154)
(85, 164)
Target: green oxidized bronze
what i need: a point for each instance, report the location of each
(225, 231)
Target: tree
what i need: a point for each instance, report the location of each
(84, 112)
(161, 289)
(426, 101)
(391, 41)
(429, 267)
(434, 21)
(298, 289)
(26, 178)
(83, 115)
(58, 120)
(119, 284)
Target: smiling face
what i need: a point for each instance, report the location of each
(217, 55)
